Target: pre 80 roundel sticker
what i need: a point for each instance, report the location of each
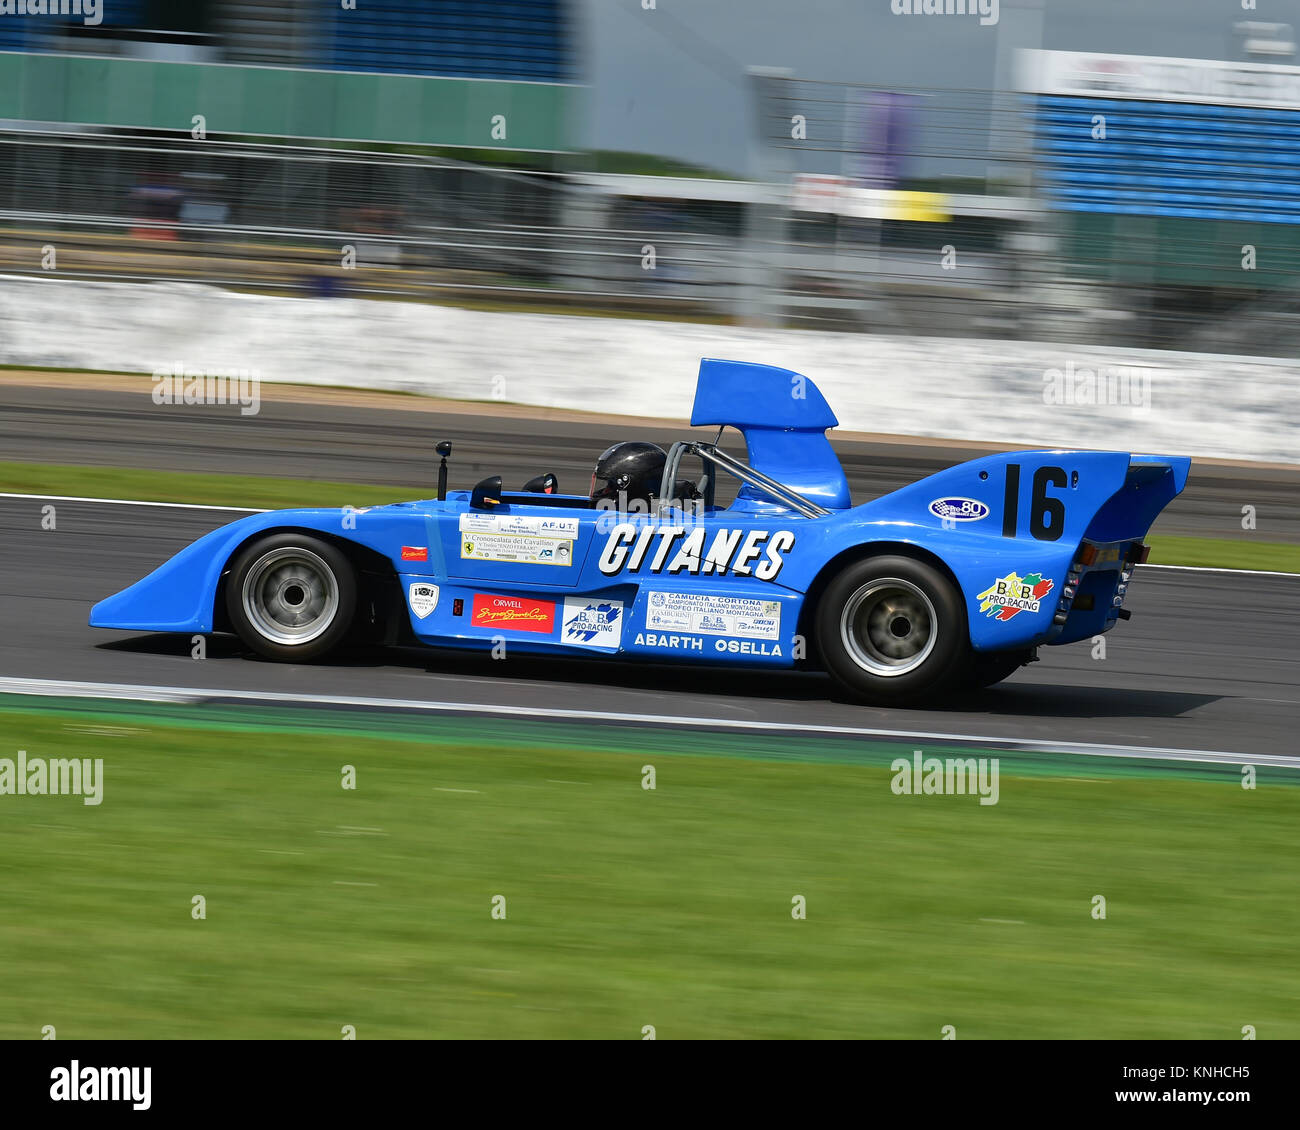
(959, 509)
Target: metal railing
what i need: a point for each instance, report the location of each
(300, 219)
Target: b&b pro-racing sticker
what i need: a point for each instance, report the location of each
(1010, 595)
(592, 623)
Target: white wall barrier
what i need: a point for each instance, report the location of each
(1005, 392)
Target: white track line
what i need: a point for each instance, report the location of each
(133, 502)
(59, 688)
(250, 510)
(1214, 569)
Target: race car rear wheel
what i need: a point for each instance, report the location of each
(892, 630)
(291, 597)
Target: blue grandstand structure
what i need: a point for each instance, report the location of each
(524, 40)
(516, 40)
(1180, 160)
(45, 32)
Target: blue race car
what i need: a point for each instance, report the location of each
(951, 582)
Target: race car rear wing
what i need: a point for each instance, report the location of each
(1151, 482)
(783, 417)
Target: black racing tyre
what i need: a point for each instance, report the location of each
(892, 630)
(291, 596)
(984, 668)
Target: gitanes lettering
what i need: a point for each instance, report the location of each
(674, 550)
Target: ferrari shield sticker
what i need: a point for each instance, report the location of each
(422, 597)
(592, 623)
(517, 539)
(1013, 594)
(516, 548)
(713, 615)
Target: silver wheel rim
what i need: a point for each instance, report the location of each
(889, 627)
(290, 595)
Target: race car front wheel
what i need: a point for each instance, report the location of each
(891, 630)
(291, 597)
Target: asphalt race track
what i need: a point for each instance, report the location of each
(1206, 663)
(390, 439)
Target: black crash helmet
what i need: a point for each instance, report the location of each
(628, 471)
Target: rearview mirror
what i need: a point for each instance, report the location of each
(543, 484)
(486, 494)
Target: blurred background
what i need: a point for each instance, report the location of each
(1077, 173)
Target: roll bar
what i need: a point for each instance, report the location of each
(713, 458)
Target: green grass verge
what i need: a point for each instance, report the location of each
(272, 494)
(624, 907)
(1222, 553)
(187, 486)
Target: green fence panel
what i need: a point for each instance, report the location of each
(285, 102)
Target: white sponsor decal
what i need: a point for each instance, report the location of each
(756, 553)
(652, 639)
(959, 509)
(746, 647)
(423, 598)
(520, 549)
(714, 615)
(519, 524)
(592, 622)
